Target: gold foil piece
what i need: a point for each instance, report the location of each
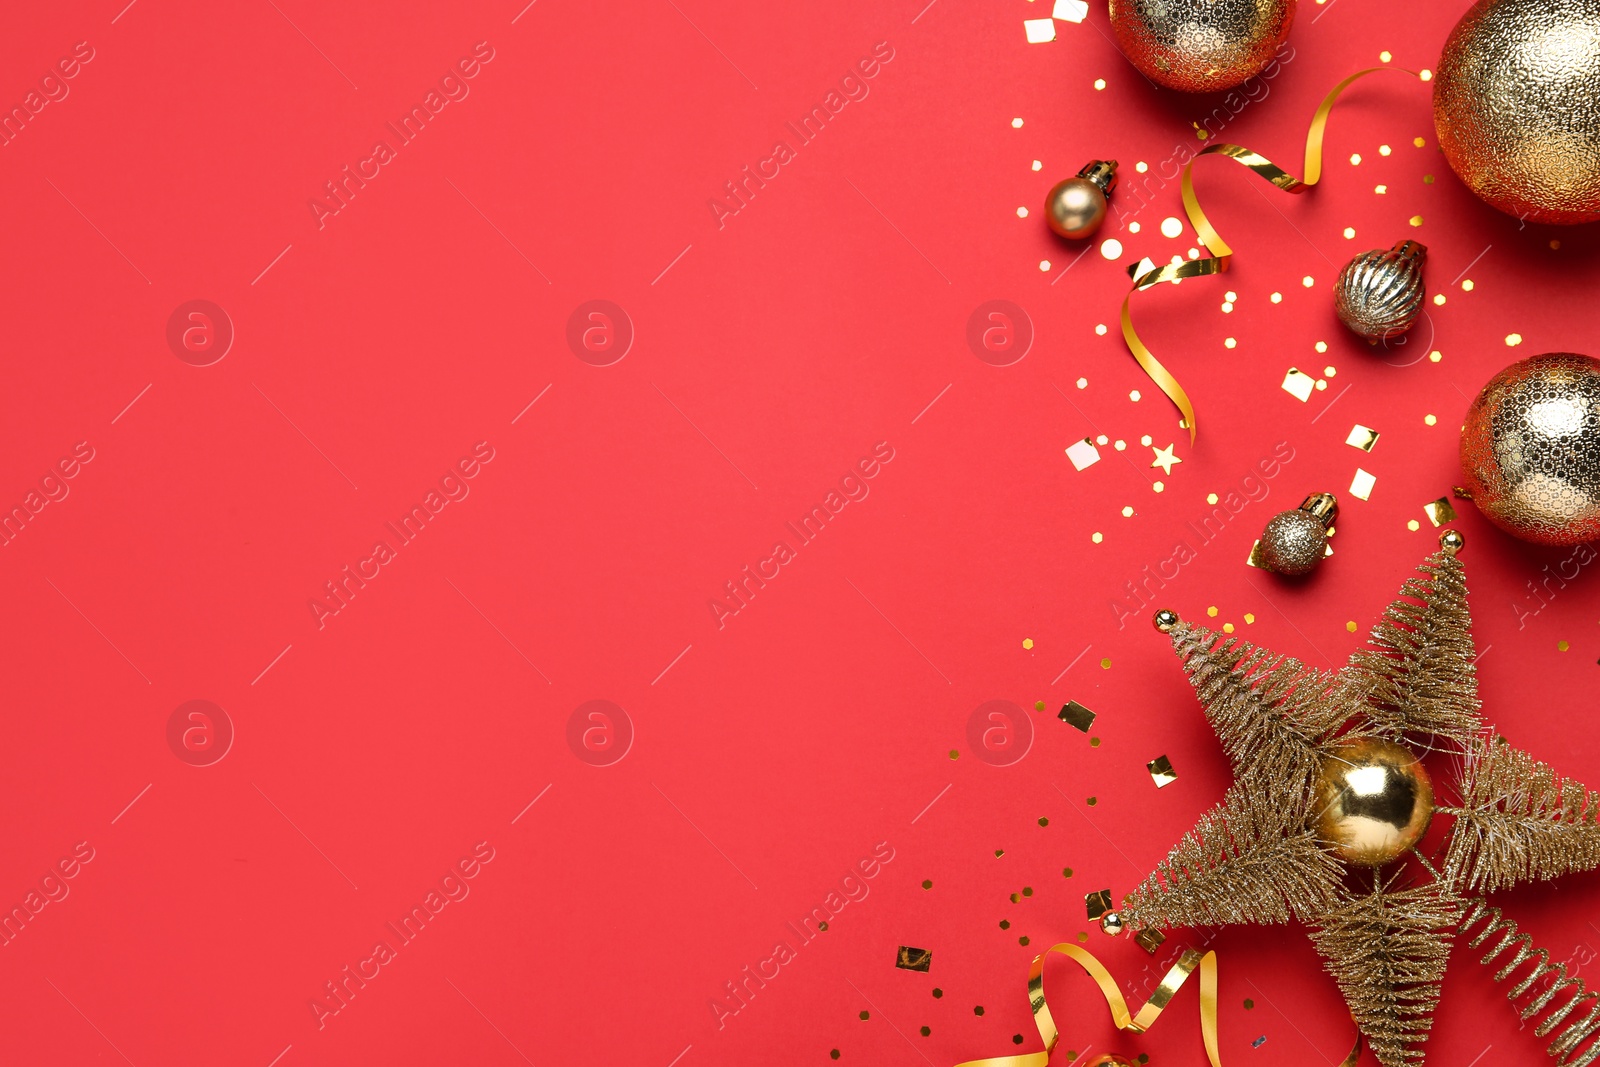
(1221, 253)
(1254, 559)
(913, 959)
(1440, 512)
(1149, 939)
(1298, 384)
(1039, 31)
(1362, 437)
(1161, 772)
(1097, 903)
(1361, 485)
(1076, 715)
(1083, 454)
(1070, 10)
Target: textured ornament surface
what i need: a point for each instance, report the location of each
(1379, 294)
(1516, 103)
(1530, 449)
(1293, 543)
(1200, 46)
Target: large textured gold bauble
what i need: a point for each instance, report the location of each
(1375, 801)
(1516, 103)
(1530, 449)
(1200, 46)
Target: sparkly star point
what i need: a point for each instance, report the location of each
(1326, 818)
(1165, 458)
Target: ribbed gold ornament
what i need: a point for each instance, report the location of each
(1516, 104)
(1530, 449)
(1200, 46)
(1379, 294)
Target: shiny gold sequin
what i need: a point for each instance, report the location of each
(1362, 437)
(1076, 715)
(1097, 903)
(913, 959)
(1161, 773)
(1440, 512)
(1361, 485)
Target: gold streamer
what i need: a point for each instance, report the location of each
(1221, 252)
(1138, 1023)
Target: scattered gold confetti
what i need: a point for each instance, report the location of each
(1416, 220)
(1171, 227)
(1127, 511)
(1097, 903)
(1227, 627)
(1016, 124)
(1164, 457)
(1249, 619)
(1083, 454)
(1329, 372)
(1440, 512)
(1355, 159)
(1097, 537)
(1212, 611)
(1466, 286)
(1083, 383)
(1044, 264)
(1111, 248)
(1133, 227)
(1070, 10)
(913, 959)
(1513, 340)
(1227, 307)
(1321, 346)
(1321, 384)
(1362, 437)
(1141, 166)
(1099, 83)
(1384, 56)
(1038, 164)
(1145, 440)
(1105, 664)
(1562, 646)
(1230, 343)
(1211, 498)
(1384, 150)
(1413, 525)
(1027, 642)
(1351, 626)
(1349, 232)
(1435, 356)
(1380, 189)
(1419, 142)
(1076, 716)
(1276, 298)
(954, 754)
(1438, 299)
(1133, 394)
(1254, 558)
(1159, 486)
(1298, 384)
(1022, 212)
(1121, 445)
(1426, 75)
(1361, 485)
(1039, 31)
(1555, 244)
(1162, 774)
(1100, 329)
(1308, 281)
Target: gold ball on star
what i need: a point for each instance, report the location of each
(1530, 449)
(1516, 104)
(1375, 800)
(1200, 46)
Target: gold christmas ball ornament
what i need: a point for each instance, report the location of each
(1375, 799)
(1076, 207)
(1109, 1059)
(1111, 923)
(1530, 449)
(1379, 294)
(1200, 46)
(1516, 103)
(1294, 542)
(1165, 620)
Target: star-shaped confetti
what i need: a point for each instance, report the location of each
(1165, 458)
(1329, 805)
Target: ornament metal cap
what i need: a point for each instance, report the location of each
(1324, 506)
(1103, 172)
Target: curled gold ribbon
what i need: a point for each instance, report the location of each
(1188, 963)
(1221, 252)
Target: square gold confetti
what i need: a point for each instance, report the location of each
(1071, 10)
(1149, 940)
(1299, 384)
(1440, 511)
(1040, 31)
(1097, 903)
(1362, 437)
(1076, 715)
(1083, 454)
(1361, 485)
(913, 959)
(1161, 772)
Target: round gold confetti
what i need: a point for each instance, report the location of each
(1384, 57)
(1229, 342)
(1308, 281)
(1321, 346)
(1141, 166)
(1066, 872)
(1097, 538)
(1145, 440)
(1111, 248)
(1159, 486)
(1425, 74)
(1105, 664)
(1435, 356)
(1100, 329)
(1351, 626)
(1099, 83)
(1416, 220)
(1413, 525)
(1322, 383)
(1016, 124)
(1211, 498)
(1127, 512)
(1249, 619)
(1121, 445)
(1227, 627)
(1466, 286)
(1513, 340)
(1329, 372)
(1022, 212)
(865, 1016)
(1044, 264)
(1102, 439)
(1133, 395)
(1276, 298)
(1227, 307)
(1027, 642)
(1355, 159)
(1430, 420)
(1438, 299)
(1418, 141)
(1427, 179)
(1083, 383)
(1384, 150)
(1349, 233)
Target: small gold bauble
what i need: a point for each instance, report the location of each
(1076, 207)
(1294, 542)
(1111, 923)
(1452, 541)
(1200, 46)
(1379, 294)
(1165, 620)
(1375, 801)
(1530, 449)
(1516, 103)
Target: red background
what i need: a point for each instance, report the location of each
(770, 354)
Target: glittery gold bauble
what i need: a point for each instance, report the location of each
(1379, 294)
(1530, 449)
(1294, 542)
(1200, 46)
(1516, 102)
(1375, 801)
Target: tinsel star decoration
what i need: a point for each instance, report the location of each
(1329, 805)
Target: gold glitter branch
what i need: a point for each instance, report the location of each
(1388, 951)
(1564, 997)
(1519, 820)
(1420, 659)
(1251, 859)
